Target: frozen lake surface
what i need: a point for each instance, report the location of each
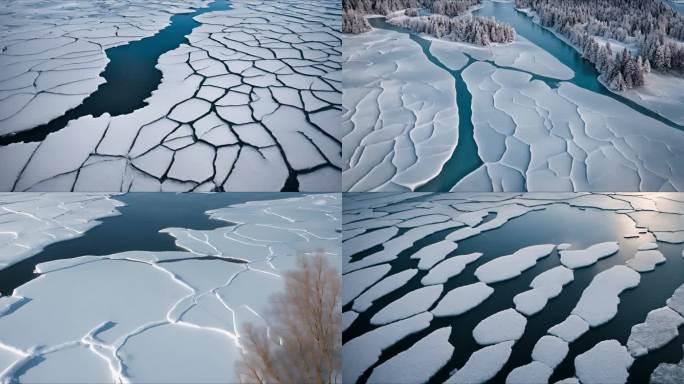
(171, 309)
(524, 288)
(244, 96)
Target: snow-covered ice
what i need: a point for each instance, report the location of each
(418, 363)
(668, 373)
(578, 258)
(448, 268)
(31, 221)
(545, 286)
(570, 329)
(483, 365)
(462, 299)
(535, 138)
(502, 326)
(659, 328)
(400, 116)
(600, 300)
(53, 54)
(253, 102)
(606, 362)
(363, 351)
(645, 261)
(507, 267)
(172, 316)
(467, 273)
(381, 288)
(410, 304)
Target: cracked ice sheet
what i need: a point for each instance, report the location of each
(400, 114)
(531, 137)
(253, 102)
(156, 316)
(53, 53)
(521, 54)
(31, 221)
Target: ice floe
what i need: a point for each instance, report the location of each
(418, 363)
(462, 299)
(448, 268)
(545, 286)
(578, 258)
(606, 362)
(400, 114)
(483, 365)
(419, 300)
(659, 328)
(359, 353)
(381, 288)
(668, 373)
(507, 267)
(600, 299)
(502, 326)
(29, 222)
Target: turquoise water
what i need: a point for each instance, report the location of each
(586, 75)
(465, 158)
(130, 75)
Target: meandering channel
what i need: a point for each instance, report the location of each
(465, 158)
(130, 75)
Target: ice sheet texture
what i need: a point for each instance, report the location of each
(251, 103)
(170, 316)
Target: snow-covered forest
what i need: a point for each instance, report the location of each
(441, 23)
(469, 29)
(652, 28)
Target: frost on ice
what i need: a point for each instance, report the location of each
(29, 222)
(162, 316)
(251, 103)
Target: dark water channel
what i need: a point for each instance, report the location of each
(137, 228)
(556, 224)
(130, 76)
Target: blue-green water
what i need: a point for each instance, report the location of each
(586, 75)
(137, 228)
(130, 76)
(465, 158)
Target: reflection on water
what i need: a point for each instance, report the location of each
(556, 224)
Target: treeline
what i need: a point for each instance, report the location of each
(470, 29)
(652, 26)
(621, 70)
(354, 10)
(354, 22)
